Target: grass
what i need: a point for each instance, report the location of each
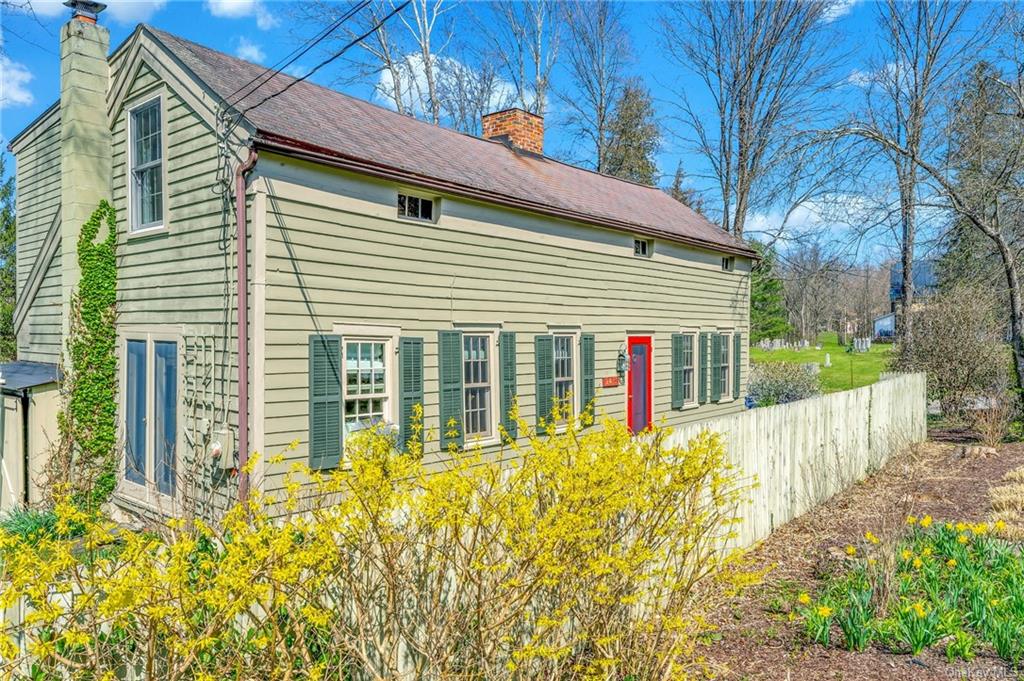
(848, 370)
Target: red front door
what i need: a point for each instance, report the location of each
(638, 383)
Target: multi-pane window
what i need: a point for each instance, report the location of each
(642, 248)
(476, 366)
(366, 384)
(146, 167)
(723, 372)
(688, 370)
(151, 414)
(728, 263)
(415, 207)
(564, 369)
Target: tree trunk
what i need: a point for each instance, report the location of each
(1016, 311)
(904, 320)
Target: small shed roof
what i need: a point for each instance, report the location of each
(21, 375)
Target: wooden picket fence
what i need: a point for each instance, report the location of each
(804, 452)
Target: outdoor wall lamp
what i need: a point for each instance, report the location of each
(620, 363)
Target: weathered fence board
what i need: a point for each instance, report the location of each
(804, 452)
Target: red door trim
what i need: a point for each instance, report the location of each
(630, 342)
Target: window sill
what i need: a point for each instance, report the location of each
(130, 497)
(156, 230)
(478, 441)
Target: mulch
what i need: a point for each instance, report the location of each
(757, 638)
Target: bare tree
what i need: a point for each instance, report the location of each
(523, 39)
(467, 93)
(979, 176)
(810, 276)
(596, 53)
(401, 59)
(923, 51)
(763, 67)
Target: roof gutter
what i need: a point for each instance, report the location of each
(305, 152)
(243, 323)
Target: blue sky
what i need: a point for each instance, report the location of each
(258, 30)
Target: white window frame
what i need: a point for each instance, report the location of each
(133, 228)
(389, 335)
(147, 494)
(434, 201)
(728, 263)
(575, 333)
(692, 402)
(649, 247)
(491, 436)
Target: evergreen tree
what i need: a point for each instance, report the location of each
(634, 136)
(685, 195)
(8, 348)
(768, 317)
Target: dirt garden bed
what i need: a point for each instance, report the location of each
(758, 637)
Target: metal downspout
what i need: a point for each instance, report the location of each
(243, 323)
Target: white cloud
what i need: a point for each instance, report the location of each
(239, 9)
(49, 8)
(132, 11)
(249, 51)
(14, 80)
(119, 11)
(838, 9)
(868, 77)
(414, 83)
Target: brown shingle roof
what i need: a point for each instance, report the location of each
(330, 124)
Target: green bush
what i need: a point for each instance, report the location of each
(781, 382)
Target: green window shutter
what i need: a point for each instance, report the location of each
(507, 362)
(587, 389)
(410, 384)
(688, 387)
(702, 368)
(449, 371)
(716, 367)
(677, 370)
(544, 365)
(737, 347)
(324, 401)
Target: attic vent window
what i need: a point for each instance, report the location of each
(728, 263)
(643, 248)
(415, 208)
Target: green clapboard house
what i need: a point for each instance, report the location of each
(386, 262)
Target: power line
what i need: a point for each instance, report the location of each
(347, 46)
(297, 53)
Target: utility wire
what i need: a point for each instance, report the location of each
(297, 53)
(355, 41)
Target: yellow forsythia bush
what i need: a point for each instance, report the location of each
(591, 556)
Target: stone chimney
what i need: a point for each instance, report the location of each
(85, 139)
(522, 129)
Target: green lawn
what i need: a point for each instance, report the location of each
(848, 370)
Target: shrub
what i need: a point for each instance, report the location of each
(781, 382)
(594, 556)
(958, 339)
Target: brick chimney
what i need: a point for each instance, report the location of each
(85, 139)
(522, 129)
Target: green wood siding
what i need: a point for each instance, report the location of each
(37, 201)
(338, 255)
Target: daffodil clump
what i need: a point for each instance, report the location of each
(956, 585)
(593, 556)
